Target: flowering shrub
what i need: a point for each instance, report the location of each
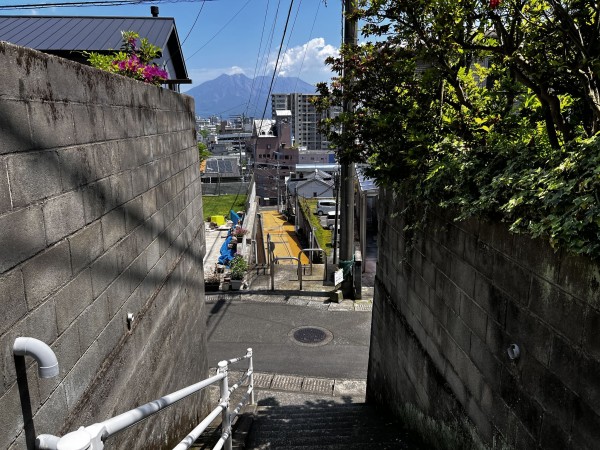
(239, 232)
(133, 60)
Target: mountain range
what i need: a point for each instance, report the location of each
(228, 95)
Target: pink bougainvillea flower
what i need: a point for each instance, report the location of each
(494, 4)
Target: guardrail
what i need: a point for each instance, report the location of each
(93, 437)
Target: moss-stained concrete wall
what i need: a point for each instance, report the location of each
(446, 311)
(100, 216)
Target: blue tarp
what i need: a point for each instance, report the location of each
(226, 252)
(234, 217)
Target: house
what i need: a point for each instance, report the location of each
(317, 184)
(71, 36)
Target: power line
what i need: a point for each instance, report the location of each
(84, 3)
(194, 24)
(265, 57)
(221, 29)
(287, 20)
(287, 45)
(306, 50)
(262, 33)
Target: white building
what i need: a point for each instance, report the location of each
(305, 119)
(316, 184)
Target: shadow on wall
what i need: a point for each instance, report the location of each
(85, 218)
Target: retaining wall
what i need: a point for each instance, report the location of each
(446, 311)
(100, 216)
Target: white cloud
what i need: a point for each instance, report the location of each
(307, 61)
(235, 70)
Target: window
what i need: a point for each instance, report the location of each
(314, 194)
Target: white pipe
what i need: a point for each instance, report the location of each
(46, 442)
(41, 352)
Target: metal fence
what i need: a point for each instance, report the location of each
(93, 436)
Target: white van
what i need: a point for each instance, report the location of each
(324, 206)
(331, 219)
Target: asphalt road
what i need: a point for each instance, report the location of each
(235, 326)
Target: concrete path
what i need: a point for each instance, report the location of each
(283, 235)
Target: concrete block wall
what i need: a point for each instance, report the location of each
(446, 311)
(100, 216)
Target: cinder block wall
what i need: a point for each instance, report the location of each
(100, 216)
(446, 311)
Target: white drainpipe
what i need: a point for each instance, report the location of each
(41, 352)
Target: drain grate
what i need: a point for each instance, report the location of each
(311, 336)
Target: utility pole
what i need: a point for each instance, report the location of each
(347, 175)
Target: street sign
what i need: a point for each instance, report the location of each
(338, 276)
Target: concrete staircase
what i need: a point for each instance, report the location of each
(292, 418)
(324, 427)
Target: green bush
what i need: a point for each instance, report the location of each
(322, 235)
(238, 267)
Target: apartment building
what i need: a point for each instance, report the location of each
(273, 155)
(305, 119)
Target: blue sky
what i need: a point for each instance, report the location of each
(226, 37)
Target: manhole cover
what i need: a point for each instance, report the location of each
(311, 336)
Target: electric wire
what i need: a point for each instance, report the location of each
(287, 20)
(84, 3)
(194, 24)
(310, 35)
(262, 33)
(221, 29)
(287, 45)
(266, 52)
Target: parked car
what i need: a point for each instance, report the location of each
(325, 206)
(331, 220)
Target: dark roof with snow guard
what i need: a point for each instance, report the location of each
(70, 36)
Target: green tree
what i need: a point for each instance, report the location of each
(204, 133)
(490, 107)
(203, 152)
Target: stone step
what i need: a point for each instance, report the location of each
(311, 429)
(340, 446)
(313, 424)
(355, 446)
(335, 407)
(371, 440)
(317, 417)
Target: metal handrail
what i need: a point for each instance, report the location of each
(310, 250)
(93, 437)
(285, 258)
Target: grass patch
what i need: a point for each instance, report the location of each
(219, 205)
(322, 235)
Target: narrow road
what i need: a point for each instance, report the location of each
(235, 326)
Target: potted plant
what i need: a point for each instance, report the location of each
(239, 233)
(212, 282)
(238, 267)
